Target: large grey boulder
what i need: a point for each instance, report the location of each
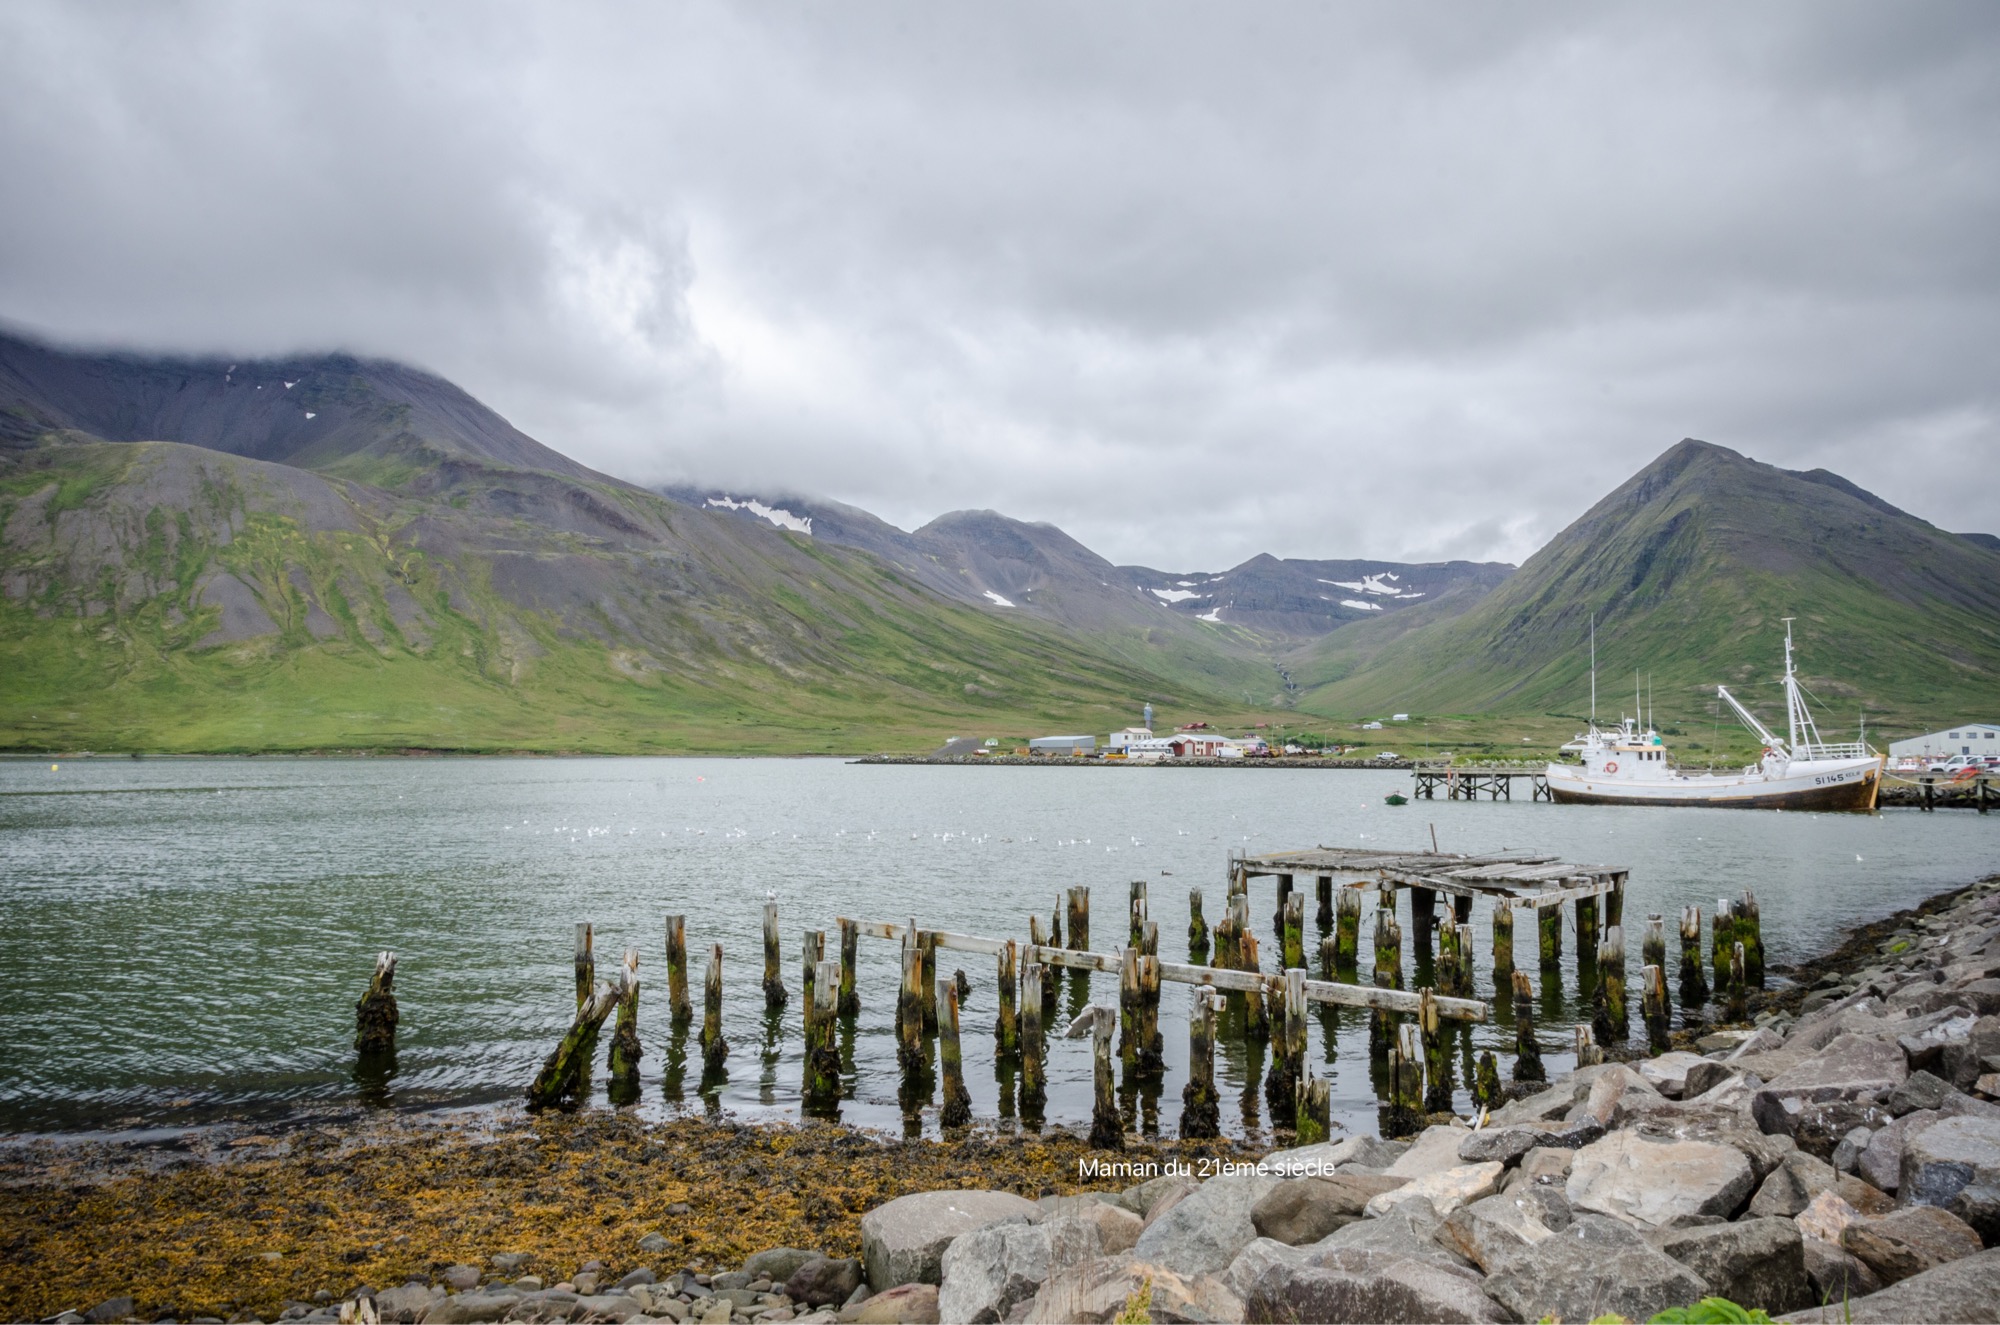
(1545, 1106)
(903, 1241)
(1881, 1164)
(987, 1271)
(1849, 1067)
(1260, 1255)
(1117, 1227)
(828, 1281)
(777, 1263)
(474, 1308)
(1668, 1073)
(1955, 1163)
(1653, 1182)
(1434, 1150)
(1368, 1286)
(1408, 1230)
(1307, 1209)
(1834, 1273)
(1800, 1177)
(1487, 1230)
(1097, 1290)
(406, 1303)
(1202, 1233)
(1753, 1262)
(1908, 1242)
(1322, 1159)
(1960, 1291)
(1444, 1190)
(1587, 1271)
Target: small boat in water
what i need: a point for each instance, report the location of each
(1628, 765)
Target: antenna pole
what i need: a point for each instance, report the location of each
(1593, 669)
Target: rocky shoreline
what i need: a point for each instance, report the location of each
(1840, 1159)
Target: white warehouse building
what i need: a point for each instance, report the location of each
(1974, 738)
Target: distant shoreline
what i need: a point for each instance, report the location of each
(1065, 761)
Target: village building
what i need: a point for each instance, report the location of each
(1972, 738)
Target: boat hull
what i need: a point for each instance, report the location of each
(1851, 785)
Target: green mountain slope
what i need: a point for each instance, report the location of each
(1688, 569)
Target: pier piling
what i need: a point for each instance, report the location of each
(375, 1015)
(1437, 1056)
(1197, 928)
(1152, 1060)
(1653, 947)
(1347, 933)
(774, 981)
(927, 980)
(1055, 925)
(1503, 939)
(1586, 926)
(1609, 1015)
(1128, 1011)
(1750, 933)
(1527, 1051)
(1659, 1017)
(1694, 984)
(1034, 1082)
(1329, 954)
(1423, 918)
(1739, 984)
(586, 965)
(1079, 918)
(713, 1047)
(957, 1109)
(1721, 936)
(1323, 911)
(849, 1002)
(1587, 1053)
(1200, 1112)
(910, 1008)
(1136, 904)
(1007, 1026)
(625, 1048)
(677, 972)
(565, 1076)
(1107, 1128)
(1388, 975)
(1313, 1111)
(813, 952)
(1284, 896)
(822, 1058)
(1549, 923)
(1406, 1084)
(1293, 943)
(1256, 1017)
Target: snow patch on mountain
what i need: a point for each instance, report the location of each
(998, 601)
(1361, 604)
(1176, 595)
(777, 515)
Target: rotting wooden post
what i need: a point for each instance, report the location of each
(822, 1058)
(1549, 923)
(1614, 902)
(1128, 1010)
(1659, 1018)
(1437, 1057)
(849, 1002)
(1486, 1082)
(1721, 934)
(1034, 1082)
(1152, 1061)
(1294, 931)
(1653, 947)
(1313, 1111)
(927, 989)
(1048, 983)
(1295, 1023)
(677, 971)
(1406, 1084)
(1609, 1018)
(565, 1075)
(1281, 1078)
(1586, 926)
(625, 1049)
(957, 1108)
(1226, 934)
(1107, 1128)
(1527, 1051)
(910, 1010)
(1750, 933)
(1323, 912)
(1136, 905)
(1329, 950)
(813, 950)
(713, 1047)
(1079, 918)
(1503, 939)
(1055, 925)
(774, 980)
(1256, 1018)
(1694, 983)
(375, 1015)
(1388, 975)
(1347, 932)
(1587, 1054)
(1423, 918)
(1197, 928)
(1461, 909)
(1200, 1114)
(1739, 984)
(586, 965)
(1007, 1025)
(1284, 896)
(1149, 938)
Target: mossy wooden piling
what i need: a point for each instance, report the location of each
(1423, 918)
(1128, 1011)
(1586, 926)
(586, 965)
(1007, 1025)
(822, 1057)
(1588, 1054)
(1055, 924)
(1034, 1080)
(1200, 1112)
(957, 1108)
(1280, 1073)
(1388, 974)
(1609, 1018)
(1256, 1017)
(677, 972)
(1694, 983)
(1284, 897)
(1293, 942)
(1329, 953)
(1079, 919)
(774, 980)
(910, 1008)
(1313, 1111)
(1527, 1051)
(1750, 933)
(565, 1076)
(1549, 930)
(1739, 984)
(1048, 982)
(1658, 1016)
(1323, 897)
(1347, 932)
(1152, 1058)
(714, 1049)
(1405, 1114)
(375, 1015)
(927, 980)
(812, 951)
(1107, 1128)
(1438, 1085)
(1721, 935)
(1486, 1089)
(625, 1048)
(1136, 907)
(1653, 947)
(849, 1002)
(1503, 939)
(1197, 928)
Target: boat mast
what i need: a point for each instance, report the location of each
(1593, 671)
(1791, 690)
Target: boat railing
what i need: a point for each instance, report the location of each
(1836, 750)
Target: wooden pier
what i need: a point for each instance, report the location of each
(1471, 782)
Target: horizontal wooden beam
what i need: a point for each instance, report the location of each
(1317, 991)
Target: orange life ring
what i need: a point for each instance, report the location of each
(1611, 767)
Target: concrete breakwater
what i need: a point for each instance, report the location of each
(1839, 1158)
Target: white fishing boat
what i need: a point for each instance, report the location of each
(1629, 765)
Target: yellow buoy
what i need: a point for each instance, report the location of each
(54, 767)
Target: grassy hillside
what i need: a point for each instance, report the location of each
(163, 597)
(1689, 568)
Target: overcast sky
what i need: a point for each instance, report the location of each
(1192, 281)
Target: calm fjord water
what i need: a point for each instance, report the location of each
(188, 937)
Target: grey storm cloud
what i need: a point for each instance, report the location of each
(1192, 281)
